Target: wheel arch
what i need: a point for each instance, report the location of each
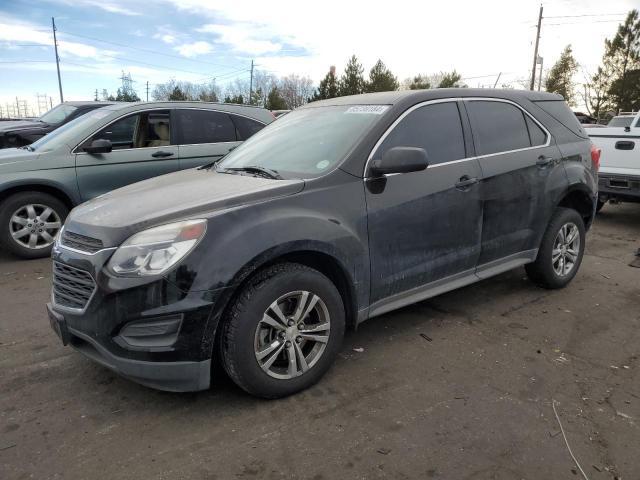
(51, 189)
(315, 256)
(579, 198)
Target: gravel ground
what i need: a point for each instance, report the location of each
(459, 387)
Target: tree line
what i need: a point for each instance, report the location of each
(615, 86)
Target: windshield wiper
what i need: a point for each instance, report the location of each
(266, 172)
(27, 147)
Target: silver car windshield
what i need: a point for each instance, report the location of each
(53, 139)
(305, 143)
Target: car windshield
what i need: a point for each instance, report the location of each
(51, 140)
(620, 122)
(305, 143)
(58, 114)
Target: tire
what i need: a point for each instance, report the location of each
(599, 205)
(22, 207)
(546, 271)
(245, 334)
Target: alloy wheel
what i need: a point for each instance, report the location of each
(566, 249)
(34, 226)
(292, 335)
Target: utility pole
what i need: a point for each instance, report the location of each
(55, 46)
(147, 90)
(535, 52)
(497, 79)
(18, 106)
(96, 97)
(251, 84)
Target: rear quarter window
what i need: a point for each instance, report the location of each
(559, 110)
(246, 126)
(497, 127)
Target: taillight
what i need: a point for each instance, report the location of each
(595, 156)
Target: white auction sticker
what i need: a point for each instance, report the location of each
(373, 109)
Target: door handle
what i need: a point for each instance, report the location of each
(161, 154)
(466, 182)
(625, 145)
(543, 161)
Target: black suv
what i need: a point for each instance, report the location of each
(20, 132)
(341, 210)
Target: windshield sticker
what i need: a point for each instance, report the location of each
(322, 164)
(372, 109)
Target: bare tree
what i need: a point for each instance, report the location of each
(296, 90)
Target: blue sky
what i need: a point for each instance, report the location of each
(198, 40)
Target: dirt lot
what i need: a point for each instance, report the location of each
(472, 400)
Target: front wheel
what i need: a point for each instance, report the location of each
(283, 331)
(561, 250)
(29, 222)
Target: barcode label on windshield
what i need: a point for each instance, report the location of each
(372, 109)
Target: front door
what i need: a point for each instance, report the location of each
(142, 148)
(424, 226)
(518, 161)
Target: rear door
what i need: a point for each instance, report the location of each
(518, 161)
(142, 148)
(424, 226)
(205, 136)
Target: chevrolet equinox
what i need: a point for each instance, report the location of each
(340, 211)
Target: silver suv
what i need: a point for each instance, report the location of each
(106, 149)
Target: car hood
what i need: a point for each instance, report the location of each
(15, 126)
(115, 216)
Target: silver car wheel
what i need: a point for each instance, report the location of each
(34, 226)
(566, 249)
(292, 335)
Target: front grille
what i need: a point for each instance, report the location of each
(72, 288)
(81, 242)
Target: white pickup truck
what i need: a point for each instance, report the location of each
(619, 175)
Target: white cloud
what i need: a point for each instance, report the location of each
(113, 6)
(194, 49)
(15, 31)
(476, 38)
(243, 37)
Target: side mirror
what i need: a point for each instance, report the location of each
(99, 146)
(627, 129)
(400, 160)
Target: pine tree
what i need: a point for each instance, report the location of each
(381, 79)
(560, 79)
(177, 94)
(275, 100)
(352, 81)
(419, 82)
(450, 80)
(328, 87)
(622, 57)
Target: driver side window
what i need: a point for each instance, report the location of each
(140, 130)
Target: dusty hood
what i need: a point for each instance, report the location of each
(17, 125)
(115, 216)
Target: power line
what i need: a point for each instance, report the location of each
(26, 61)
(589, 15)
(581, 23)
(155, 52)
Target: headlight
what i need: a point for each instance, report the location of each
(154, 251)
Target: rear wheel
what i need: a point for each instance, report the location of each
(283, 331)
(561, 250)
(29, 222)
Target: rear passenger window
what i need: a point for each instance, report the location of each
(497, 127)
(536, 134)
(246, 126)
(202, 126)
(436, 128)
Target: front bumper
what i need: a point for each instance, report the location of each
(619, 187)
(148, 330)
